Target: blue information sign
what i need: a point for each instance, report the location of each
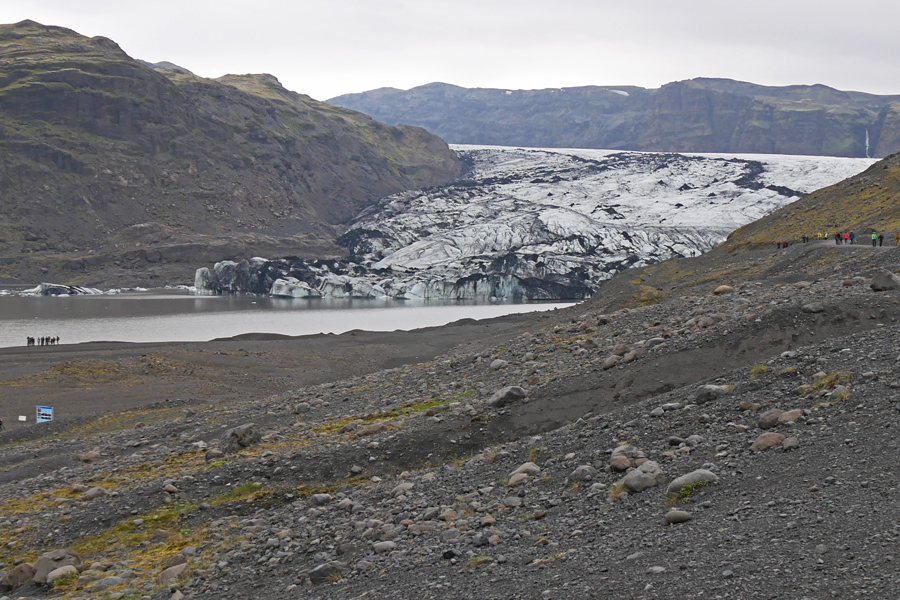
(44, 414)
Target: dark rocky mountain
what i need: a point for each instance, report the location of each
(698, 115)
(110, 164)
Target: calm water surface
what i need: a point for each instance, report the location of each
(157, 316)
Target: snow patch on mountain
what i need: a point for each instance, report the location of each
(530, 223)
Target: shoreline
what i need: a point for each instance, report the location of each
(96, 378)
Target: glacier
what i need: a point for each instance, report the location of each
(535, 224)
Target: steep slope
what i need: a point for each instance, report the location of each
(863, 203)
(94, 144)
(699, 115)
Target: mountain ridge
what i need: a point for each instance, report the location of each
(697, 115)
(94, 143)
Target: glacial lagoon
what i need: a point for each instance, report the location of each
(180, 315)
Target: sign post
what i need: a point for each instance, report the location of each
(44, 414)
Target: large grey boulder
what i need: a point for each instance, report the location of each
(692, 478)
(17, 577)
(240, 437)
(884, 280)
(506, 396)
(642, 478)
(50, 561)
(708, 393)
(325, 572)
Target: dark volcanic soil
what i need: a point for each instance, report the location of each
(404, 466)
(107, 377)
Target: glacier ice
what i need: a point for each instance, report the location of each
(530, 224)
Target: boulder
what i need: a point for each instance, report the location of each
(17, 577)
(321, 499)
(723, 289)
(384, 547)
(769, 419)
(583, 473)
(813, 307)
(766, 441)
(692, 478)
(506, 396)
(498, 363)
(885, 280)
(611, 361)
(528, 468)
(91, 456)
(708, 393)
(106, 582)
(50, 561)
(790, 416)
(61, 573)
(517, 479)
(674, 517)
(643, 477)
(625, 457)
(214, 454)
(94, 492)
(240, 437)
(172, 574)
(326, 572)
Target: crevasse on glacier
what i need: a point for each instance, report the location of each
(530, 224)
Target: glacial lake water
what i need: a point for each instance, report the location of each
(169, 315)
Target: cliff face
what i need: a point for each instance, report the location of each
(94, 143)
(700, 115)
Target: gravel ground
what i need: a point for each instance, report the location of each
(543, 464)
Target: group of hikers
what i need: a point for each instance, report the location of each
(43, 341)
(843, 237)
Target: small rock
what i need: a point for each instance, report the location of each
(723, 289)
(790, 443)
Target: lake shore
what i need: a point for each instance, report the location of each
(95, 378)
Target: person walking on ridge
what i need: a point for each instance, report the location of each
(852, 237)
(874, 238)
(880, 240)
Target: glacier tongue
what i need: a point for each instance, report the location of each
(528, 224)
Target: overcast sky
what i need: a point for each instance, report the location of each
(331, 47)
